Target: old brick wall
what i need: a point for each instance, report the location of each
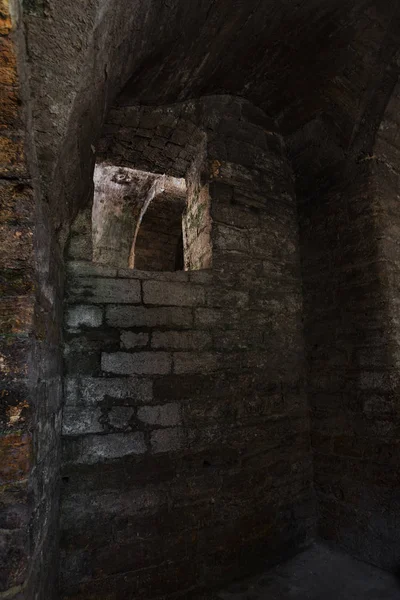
(30, 359)
(348, 232)
(77, 70)
(186, 432)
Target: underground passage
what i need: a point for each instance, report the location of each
(199, 314)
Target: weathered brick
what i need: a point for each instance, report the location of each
(166, 440)
(201, 277)
(91, 391)
(181, 340)
(121, 316)
(13, 561)
(120, 416)
(89, 269)
(15, 454)
(105, 291)
(91, 449)
(78, 420)
(84, 315)
(222, 298)
(172, 294)
(172, 276)
(193, 362)
(166, 415)
(129, 340)
(139, 363)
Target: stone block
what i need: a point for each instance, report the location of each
(92, 391)
(82, 362)
(119, 417)
(220, 298)
(201, 277)
(209, 318)
(121, 316)
(172, 276)
(13, 561)
(172, 294)
(235, 216)
(231, 239)
(15, 513)
(71, 390)
(239, 339)
(105, 291)
(139, 363)
(91, 340)
(181, 340)
(193, 362)
(77, 268)
(15, 450)
(130, 340)
(84, 315)
(166, 440)
(81, 420)
(91, 449)
(167, 415)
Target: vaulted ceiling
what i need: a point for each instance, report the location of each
(325, 66)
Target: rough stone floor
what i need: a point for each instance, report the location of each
(319, 573)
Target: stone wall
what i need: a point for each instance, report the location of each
(180, 437)
(349, 247)
(345, 331)
(30, 357)
(186, 429)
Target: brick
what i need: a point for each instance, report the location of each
(84, 315)
(239, 339)
(209, 318)
(16, 314)
(222, 298)
(172, 276)
(201, 277)
(139, 363)
(81, 362)
(166, 415)
(181, 340)
(120, 316)
(172, 294)
(91, 449)
(192, 362)
(166, 440)
(15, 457)
(129, 340)
(120, 416)
(79, 420)
(105, 291)
(126, 391)
(90, 391)
(89, 269)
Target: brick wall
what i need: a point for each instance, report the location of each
(30, 358)
(350, 264)
(186, 430)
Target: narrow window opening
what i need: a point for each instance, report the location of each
(149, 222)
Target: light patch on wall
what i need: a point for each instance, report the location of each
(121, 198)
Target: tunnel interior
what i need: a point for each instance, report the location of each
(200, 339)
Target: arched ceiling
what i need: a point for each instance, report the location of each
(292, 58)
(331, 62)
